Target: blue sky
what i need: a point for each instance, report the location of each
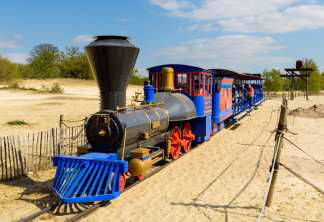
(247, 36)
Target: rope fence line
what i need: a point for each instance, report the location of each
(265, 199)
(281, 129)
(75, 121)
(303, 179)
(280, 137)
(313, 158)
(71, 126)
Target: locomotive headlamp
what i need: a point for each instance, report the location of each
(102, 132)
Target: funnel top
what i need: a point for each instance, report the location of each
(104, 37)
(110, 40)
(112, 59)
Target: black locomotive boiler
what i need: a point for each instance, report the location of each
(121, 129)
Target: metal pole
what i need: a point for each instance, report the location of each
(84, 130)
(124, 145)
(292, 88)
(306, 88)
(61, 139)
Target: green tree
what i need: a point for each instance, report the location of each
(74, 64)
(24, 71)
(314, 81)
(8, 70)
(273, 81)
(322, 80)
(136, 79)
(44, 60)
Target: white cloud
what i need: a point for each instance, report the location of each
(8, 43)
(16, 57)
(291, 19)
(171, 4)
(240, 52)
(82, 39)
(271, 16)
(203, 27)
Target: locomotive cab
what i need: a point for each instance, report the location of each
(190, 82)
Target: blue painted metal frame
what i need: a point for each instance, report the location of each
(88, 178)
(202, 128)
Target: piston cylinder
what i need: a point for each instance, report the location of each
(138, 167)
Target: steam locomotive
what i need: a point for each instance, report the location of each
(182, 105)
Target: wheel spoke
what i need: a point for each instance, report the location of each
(187, 137)
(175, 143)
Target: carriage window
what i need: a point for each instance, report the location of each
(182, 78)
(199, 85)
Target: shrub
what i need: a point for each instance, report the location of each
(56, 88)
(14, 85)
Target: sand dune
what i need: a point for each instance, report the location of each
(80, 99)
(221, 180)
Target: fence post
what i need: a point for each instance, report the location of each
(61, 139)
(282, 127)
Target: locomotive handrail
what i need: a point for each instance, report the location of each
(139, 106)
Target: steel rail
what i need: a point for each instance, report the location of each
(90, 210)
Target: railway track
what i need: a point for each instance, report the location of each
(53, 206)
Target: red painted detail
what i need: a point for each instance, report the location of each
(175, 143)
(229, 98)
(227, 81)
(222, 100)
(122, 182)
(187, 137)
(140, 177)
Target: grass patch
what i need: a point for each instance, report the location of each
(17, 123)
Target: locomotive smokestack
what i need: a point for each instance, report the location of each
(112, 59)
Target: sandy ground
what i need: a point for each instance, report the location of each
(42, 110)
(221, 180)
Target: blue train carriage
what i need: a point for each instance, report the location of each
(240, 103)
(222, 100)
(256, 81)
(196, 83)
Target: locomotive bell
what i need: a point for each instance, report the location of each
(112, 59)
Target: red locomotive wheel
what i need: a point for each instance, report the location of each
(175, 143)
(187, 137)
(122, 182)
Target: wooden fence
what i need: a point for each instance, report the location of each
(34, 151)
